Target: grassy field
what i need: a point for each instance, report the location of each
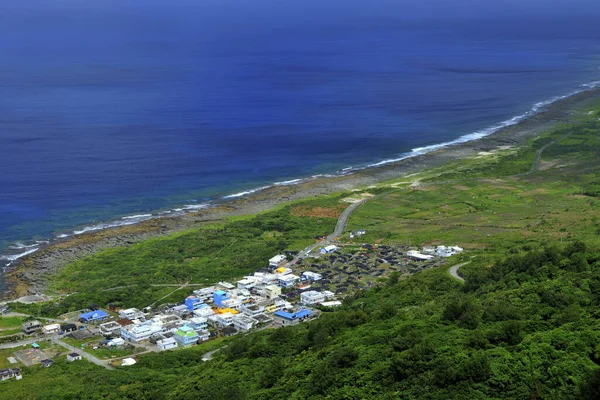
(470, 204)
(10, 322)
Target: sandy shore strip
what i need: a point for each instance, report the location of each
(29, 274)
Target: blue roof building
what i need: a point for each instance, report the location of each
(219, 296)
(92, 316)
(193, 302)
(285, 318)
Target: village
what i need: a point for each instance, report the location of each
(287, 291)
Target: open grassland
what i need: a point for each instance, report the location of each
(471, 204)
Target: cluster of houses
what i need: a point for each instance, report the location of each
(223, 309)
(260, 299)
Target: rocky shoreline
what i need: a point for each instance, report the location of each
(29, 276)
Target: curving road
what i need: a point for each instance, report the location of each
(453, 270)
(339, 229)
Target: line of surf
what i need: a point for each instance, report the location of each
(137, 218)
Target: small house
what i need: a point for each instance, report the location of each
(66, 328)
(166, 344)
(30, 327)
(185, 336)
(277, 261)
(127, 362)
(311, 297)
(205, 294)
(50, 329)
(131, 313)
(243, 323)
(9, 373)
(328, 249)
(73, 357)
(285, 318)
(115, 342)
(311, 276)
(46, 363)
(110, 328)
(272, 291)
(203, 336)
(93, 316)
(288, 281)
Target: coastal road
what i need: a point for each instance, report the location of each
(85, 355)
(339, 229)
(453, 270)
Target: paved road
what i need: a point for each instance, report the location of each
(339, 229)
(454, 271)
(538, 154)
(19, 343)
(85, 355)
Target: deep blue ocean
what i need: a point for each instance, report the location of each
(116, 108)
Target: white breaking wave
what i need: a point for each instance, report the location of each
(247, 192)
(14, 257)
(535, 109)
(290, 182)
(134, 219)
(138, 216)
(195, 206)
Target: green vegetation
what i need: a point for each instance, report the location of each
(524, 324)
(10, 322)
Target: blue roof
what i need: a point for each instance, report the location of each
(303, 313)
(92, 315)
(287, 315)
(284, 314)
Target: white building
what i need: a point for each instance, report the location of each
(418, 256)
(51, 328)
(288, 280)
(198, 323)
(166, 344)
(246, 283)
(311, 297)
(205, 294)
(335, 303)
(225, 319)
(73, 357)
(137, 333)
(225, 286)
(444, 251)
(110, 328)
(131, 313)
(311, 276)
(180, 310)
(203, 312)
(429, 250)
(328, 294)
(252, 309)
(243, 323)
(128, 361)
(116, 342)
(234, 303)
(276, 261)
(328, 249)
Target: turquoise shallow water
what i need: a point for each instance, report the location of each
(115, 109)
